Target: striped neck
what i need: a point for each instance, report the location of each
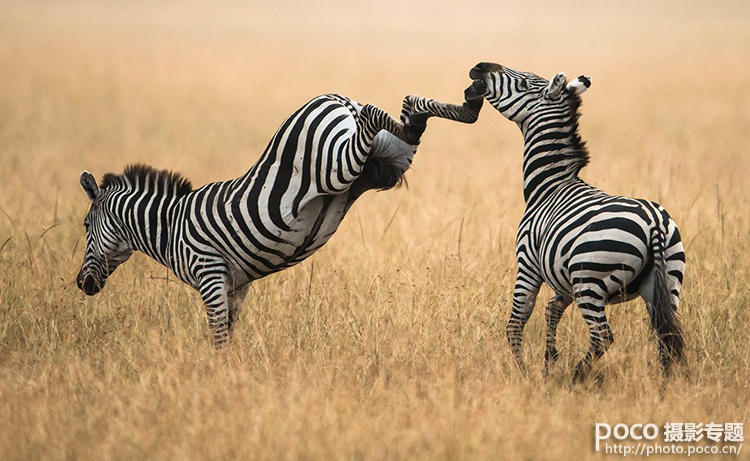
(144, 200)
(553, 151)
(144, 219)
(148, 222)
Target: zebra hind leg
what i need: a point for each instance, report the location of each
(523, 306)
(601, 337)
(372, 120)
(553, 313)
(415, 110)
(384, 166)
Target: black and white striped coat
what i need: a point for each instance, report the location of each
(222, 236)
(588, 246)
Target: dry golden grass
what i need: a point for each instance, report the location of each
(389, 343)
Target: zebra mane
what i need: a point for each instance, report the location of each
(139, 173)
(580, 152)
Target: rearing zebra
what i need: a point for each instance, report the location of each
(588, 246)
(223, 236)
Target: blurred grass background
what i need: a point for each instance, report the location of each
(389, 343)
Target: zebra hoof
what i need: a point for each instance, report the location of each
(476, 91)
(415, 127)
(419, 119)
(599, 378)
(579, 374)
(550, 355)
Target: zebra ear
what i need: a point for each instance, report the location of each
(88, 183)
(579, 85)
(556, 85)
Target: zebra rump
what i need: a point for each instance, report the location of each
(380, 174)
(385, 169)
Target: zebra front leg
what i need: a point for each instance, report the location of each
(524, 299)
(214, 291)
(553, 313)
(592, 308)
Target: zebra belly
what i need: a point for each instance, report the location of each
(317, 221)
(329, 212)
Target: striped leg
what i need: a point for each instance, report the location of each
(214, 291)
(553, 313)
(349, 164)
(414, 114)
(592, 301)
(372, 119)
(524, 299)
(415, 110)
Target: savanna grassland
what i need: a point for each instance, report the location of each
(388, 343)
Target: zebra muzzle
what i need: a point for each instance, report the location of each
(88, 284)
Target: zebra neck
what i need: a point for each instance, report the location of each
(148, 219)
(553, 154)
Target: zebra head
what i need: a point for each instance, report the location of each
(106, 245)
(516, 94)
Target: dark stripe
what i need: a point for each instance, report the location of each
(324, 136)
(285, 165)
(310, 139)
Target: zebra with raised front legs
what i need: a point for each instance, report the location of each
(588, 246)
(223, 236)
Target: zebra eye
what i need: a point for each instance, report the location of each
(86, 224)
(523, 85)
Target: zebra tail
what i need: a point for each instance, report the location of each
(381, 174)
(664, 319)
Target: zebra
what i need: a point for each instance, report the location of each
(223, 236)
(588, 246)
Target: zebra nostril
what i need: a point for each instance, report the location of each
(79, 280)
